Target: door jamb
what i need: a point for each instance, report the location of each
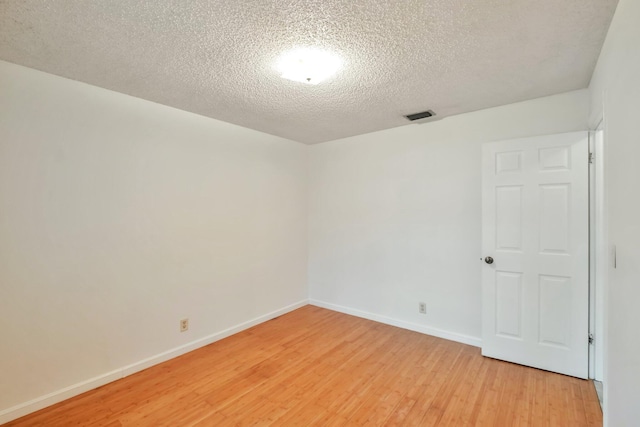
(597, 251)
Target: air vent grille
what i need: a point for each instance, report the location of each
(421, 115)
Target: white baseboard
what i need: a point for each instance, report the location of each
(440, 333)
(95, 382)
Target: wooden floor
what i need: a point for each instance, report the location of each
(318, 367)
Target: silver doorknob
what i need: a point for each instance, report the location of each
(488, 260)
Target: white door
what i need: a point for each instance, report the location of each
(535, 293)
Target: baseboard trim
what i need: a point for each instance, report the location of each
(428, 330)
(42, 402)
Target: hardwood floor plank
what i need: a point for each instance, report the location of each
(592, 409)
(315, 367)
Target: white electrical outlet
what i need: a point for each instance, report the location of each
(184, 325)
(422, 308)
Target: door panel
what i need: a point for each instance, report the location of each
(555, 310)
(535, 226)
(509, 218)
(509, 305)
(555, 201)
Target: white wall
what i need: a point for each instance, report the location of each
(118, 217)
(615, 90)
(395, 216)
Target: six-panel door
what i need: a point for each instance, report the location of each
(535, 227)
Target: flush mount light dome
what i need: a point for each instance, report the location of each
(308, 65)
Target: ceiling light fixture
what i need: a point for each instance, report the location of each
(308, 65)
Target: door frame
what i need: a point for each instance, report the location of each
(598, 252)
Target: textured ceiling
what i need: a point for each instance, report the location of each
(216, 57)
